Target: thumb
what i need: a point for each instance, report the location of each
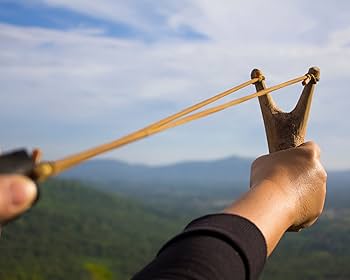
(17, 194)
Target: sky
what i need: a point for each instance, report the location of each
(74, 74)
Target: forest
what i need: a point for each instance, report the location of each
(86, 231)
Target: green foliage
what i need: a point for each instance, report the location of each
(321, 252)
(98, 271)
(73, 224)
(76, 232)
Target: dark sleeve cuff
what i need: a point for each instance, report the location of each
(241, 234)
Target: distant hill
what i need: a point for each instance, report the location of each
(222, 171)
(233, 169)
(169, 185)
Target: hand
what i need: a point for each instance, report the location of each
(17, 194)
(299, 176)
(287, 191)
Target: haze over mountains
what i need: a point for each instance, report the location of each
(233, 169)
(228, 170)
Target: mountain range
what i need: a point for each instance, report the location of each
(223, 171)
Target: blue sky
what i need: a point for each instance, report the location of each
(74, 74)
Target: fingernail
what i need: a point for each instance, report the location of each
(23, 192)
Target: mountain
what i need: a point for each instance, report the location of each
(233, 169)
(223, 171)
(170, 185)
(167, 187)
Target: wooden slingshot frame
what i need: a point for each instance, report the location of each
(286, 130)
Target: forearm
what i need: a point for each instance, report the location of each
(260, 206)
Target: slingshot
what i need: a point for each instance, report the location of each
(283, 130)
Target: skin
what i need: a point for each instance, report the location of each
(287, 192)
(17, 193)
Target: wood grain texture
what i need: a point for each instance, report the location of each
(286, 129)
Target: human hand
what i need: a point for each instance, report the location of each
(287, 192)
(17, 194)
(299, 177)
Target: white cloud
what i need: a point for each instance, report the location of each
(80, 78)
(225, 20)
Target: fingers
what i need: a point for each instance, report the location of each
(313, 151)
(298, 228)
(17, 194)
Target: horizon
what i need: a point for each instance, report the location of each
(192, 161)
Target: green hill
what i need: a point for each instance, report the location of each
(319, 253)
(79, 233)
(76, 232)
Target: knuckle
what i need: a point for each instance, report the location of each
(312, 152)
(258, 162)
(255, 163)
(310, 144)
(260, 159)
(309, 154)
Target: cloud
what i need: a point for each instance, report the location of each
(225, 20)
(81, 86)
(147, 18)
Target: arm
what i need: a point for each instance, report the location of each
(287, 192)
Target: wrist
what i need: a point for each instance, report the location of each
(283, 201)
(268, 207)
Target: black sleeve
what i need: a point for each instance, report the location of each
(219, 246)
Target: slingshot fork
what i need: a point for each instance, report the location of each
(286, 129)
